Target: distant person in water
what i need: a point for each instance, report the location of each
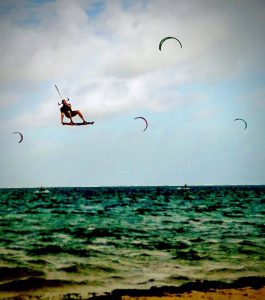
(66, 110)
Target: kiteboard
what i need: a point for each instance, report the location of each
(78, 124)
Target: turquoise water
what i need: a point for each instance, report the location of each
(130, 237)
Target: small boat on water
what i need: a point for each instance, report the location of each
(185, 192)
(183, 188)
(42, 191)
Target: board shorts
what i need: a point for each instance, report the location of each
(73, 113)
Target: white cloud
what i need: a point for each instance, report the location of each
(109, 65)
(112, 63)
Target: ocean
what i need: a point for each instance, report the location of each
(98, 239)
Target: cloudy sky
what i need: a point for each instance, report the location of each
(104, 56)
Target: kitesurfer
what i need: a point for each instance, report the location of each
(66, 110)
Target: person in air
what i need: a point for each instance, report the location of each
(66, 110)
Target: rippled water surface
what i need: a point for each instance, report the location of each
(130, 237)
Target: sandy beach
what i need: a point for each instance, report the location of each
(241, 289)
(246, 293)
(226, 294)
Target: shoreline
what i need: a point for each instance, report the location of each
(241, 289)
(197, 287)
(219, 294)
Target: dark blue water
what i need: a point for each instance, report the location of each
(98, 239)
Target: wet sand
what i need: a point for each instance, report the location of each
(241, 289)
(227, 294)
(222, 294)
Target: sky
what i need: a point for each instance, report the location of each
(104, 56)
